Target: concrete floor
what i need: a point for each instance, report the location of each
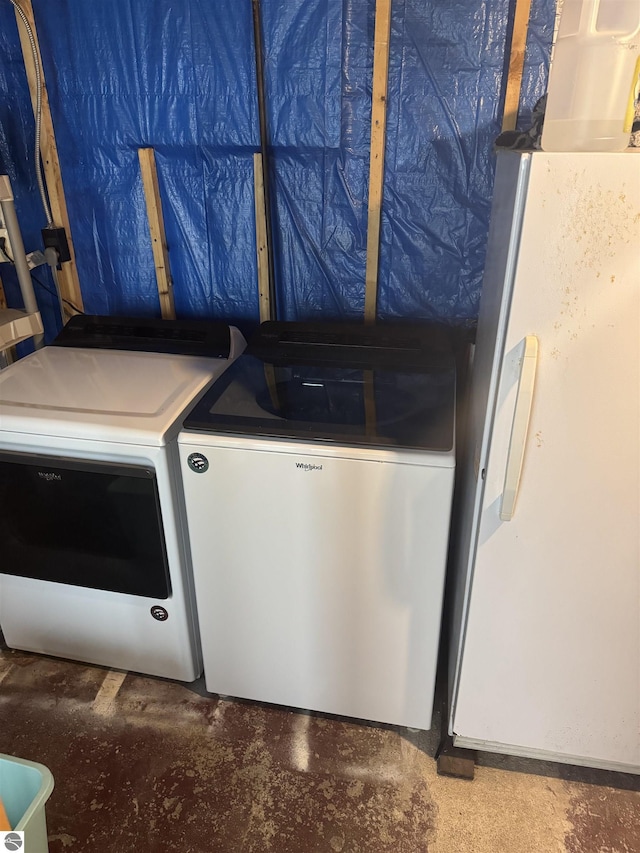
(147, 765)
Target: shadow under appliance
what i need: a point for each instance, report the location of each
(318, 477)
(95, 562)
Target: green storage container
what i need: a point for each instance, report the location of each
(25, 787)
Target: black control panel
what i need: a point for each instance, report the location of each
(392, 344)
(146, 334)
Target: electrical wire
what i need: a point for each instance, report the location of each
(38, 116)
(53, 293)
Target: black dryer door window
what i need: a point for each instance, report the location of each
(90, 524)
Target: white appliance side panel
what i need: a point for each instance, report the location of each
(319, 587)
(509, 193)
(98, 626)
(552, 650)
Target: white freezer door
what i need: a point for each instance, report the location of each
(318, 577)
(551, 657)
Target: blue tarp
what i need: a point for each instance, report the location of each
(179, 75)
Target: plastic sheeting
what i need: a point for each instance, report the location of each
(179, 75)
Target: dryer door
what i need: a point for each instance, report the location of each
(90, 524)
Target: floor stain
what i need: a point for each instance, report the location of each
(604, 820)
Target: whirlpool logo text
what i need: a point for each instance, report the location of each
(49, 476)
(305, 466)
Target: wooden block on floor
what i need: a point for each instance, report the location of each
(455, 761)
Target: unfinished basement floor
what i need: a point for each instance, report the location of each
(148, 765)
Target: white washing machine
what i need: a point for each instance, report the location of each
(95, 563)
(318, 476)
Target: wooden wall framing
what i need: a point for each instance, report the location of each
(516, 64)
(155, 218)
(376, 159)
(68, 274)
(262, 248)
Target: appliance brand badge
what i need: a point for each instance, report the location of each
(49, 476)
(159, 613)
(198, 462)
(305, 466)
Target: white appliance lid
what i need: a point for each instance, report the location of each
(101, 394)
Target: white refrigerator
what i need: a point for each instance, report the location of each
(545, 628)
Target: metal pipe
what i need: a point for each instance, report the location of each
(264, 152)
(17, 249)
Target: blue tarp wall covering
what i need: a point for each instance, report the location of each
(179, 75)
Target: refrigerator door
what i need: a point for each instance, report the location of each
(548, 661)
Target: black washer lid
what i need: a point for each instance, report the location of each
(359, 391)
(146, 334)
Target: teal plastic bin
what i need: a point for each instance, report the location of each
(25, 787)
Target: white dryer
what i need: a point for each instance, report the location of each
(94, 559)
(318, 475)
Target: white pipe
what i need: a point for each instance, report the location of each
(17, 250)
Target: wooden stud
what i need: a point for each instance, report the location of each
(262, 248)
(149, 173)
(516, 64)
(376, 159)
(68, 274)
(262, 251)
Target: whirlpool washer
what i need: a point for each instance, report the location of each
(95, 562)
(318, 477)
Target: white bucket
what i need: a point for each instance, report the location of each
(594, 76)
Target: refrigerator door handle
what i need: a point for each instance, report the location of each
(520, 427)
